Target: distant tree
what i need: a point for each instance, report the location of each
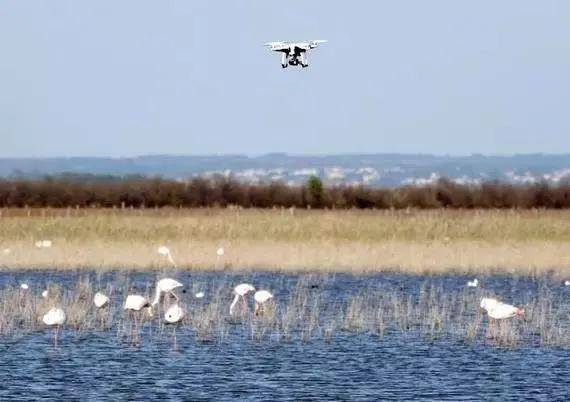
(315, 192)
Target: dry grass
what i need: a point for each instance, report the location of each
(525, 242)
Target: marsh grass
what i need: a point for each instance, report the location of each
(309, 313)
(530, 242)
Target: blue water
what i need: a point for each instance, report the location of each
(99, 365)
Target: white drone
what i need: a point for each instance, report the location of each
(294, 53)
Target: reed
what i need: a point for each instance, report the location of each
(415, 241)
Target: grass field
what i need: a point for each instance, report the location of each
(413, 241)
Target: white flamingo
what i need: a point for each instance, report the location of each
(165, 251)
(54, 318)
(241, 291)
(166, 285)
(498, 310)
(473, 284)
(173, 316)
(261, 297)
(100, 300)
(43, 243)
(134, 304)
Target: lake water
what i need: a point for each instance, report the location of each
(102, 365)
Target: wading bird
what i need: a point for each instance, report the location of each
(54, 318)
(220, 252)
(261, 297)
(199, 295)
(134, 304)
(166, 285)
(173, 316)
(498, 310)
(566, 283)
(294, 53)
(45, 294)
(43, 243)
(100, 300)
(240, 292)
(24, 286)
(165, 251)
(473, 284)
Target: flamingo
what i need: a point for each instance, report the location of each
(43, 243)
(498, 310)
(241, 290)
(45, 294)
(165, 251)
(24, 286)
(261, 297)
(473, 284)
(134, 304)
(100, 300)
(174, 315)
(54, 318)
(566, 283)
(166, 285)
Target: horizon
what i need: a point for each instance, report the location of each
(292, 154)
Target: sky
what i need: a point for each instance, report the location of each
(125, 78)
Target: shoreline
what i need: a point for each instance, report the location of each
(357, 258)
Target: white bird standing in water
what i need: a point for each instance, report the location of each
(45, 294)
(100, 300)
(566, 283)
(166, 285)
(134, 304)
(261, 297)
(173, 316)
(165, 251)
(54, 318)
(498, 310)
(241, 291)
(473, 284)
(24, 286)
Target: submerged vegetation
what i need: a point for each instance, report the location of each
(305, 310)
(137, 192)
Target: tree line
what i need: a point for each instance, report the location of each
(139, 192)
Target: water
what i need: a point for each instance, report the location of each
(101, 365)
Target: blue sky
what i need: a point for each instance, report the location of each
(123, 78)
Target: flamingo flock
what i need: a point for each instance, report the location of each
(173, 311)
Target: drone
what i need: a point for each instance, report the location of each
(294, 53)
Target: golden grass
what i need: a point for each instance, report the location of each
(436, 241)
